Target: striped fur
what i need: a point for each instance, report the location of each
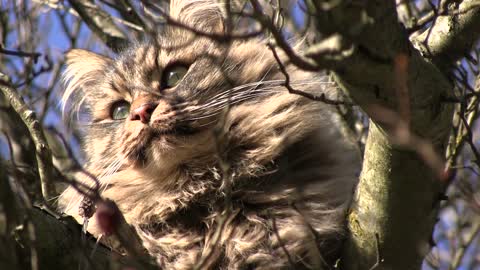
(280, 161)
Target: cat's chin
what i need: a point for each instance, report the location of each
(159, 149)
(173, 150)
(154, 146)
(147, 144)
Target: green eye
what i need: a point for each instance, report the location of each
(172, 75)
(120, 110)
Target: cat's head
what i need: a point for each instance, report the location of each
(166, 101)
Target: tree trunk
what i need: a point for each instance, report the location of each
(394, 209)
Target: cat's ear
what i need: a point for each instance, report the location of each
(84, 69)
(204, 15)
(83, 63)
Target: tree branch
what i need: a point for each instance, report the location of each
(451, 37)
(35, 239)
(22, 149)
(8, 218)
(33, 55)
(43, 154)
(59, 243)
(101, 24)
(398, 190)
(371, 25)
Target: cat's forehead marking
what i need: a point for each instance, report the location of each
(141, 67)
(139, 64)
(116, 85)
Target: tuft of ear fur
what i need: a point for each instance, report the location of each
(84, 69)
(204, 15)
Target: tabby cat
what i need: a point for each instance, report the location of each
(191, 136)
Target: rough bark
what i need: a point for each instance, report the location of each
(393, 213)
(21, 146)
(42, 151)
(59, 244)
(33, 238)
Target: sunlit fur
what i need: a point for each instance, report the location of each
(230, 120)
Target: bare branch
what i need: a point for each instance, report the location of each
(376, 66)
(34, 55)
(295, 58)
(43, 154)
(101, 24)
(452, 36)
(219, 37)
(291, 90)
(461, 252)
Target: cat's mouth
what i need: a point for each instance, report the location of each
(177, 131)
(163, 138)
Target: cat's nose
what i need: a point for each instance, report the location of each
(143, 112)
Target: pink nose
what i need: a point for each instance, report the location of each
(143, 113)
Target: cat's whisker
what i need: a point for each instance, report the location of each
(234, 96)
(115, 167)
(226, 94)
(221, 98)
(71, 203)
(207, 124)
(243, 86)
(218, 109)
(117, 164)
(269, 85)
(111, 167)
(239, 93)
(200, 117)
(232, 99)
(182, 105)
(220, 103)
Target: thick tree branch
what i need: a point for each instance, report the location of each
(8, 218)
(452, 36)
(35, 239)
(43, 154)
(375, 63)
(60, 244)
(398, 190)
(22, 149)
(371, 25)
(128, 12)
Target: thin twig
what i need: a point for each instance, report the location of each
(33, 55)
(460, 254)
(379, 258)
(469, 137)
(218, 37)
(291, 90)
(298, 60)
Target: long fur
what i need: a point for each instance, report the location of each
(262, 178)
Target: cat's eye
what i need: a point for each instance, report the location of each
(120, 110)
(173, 75)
